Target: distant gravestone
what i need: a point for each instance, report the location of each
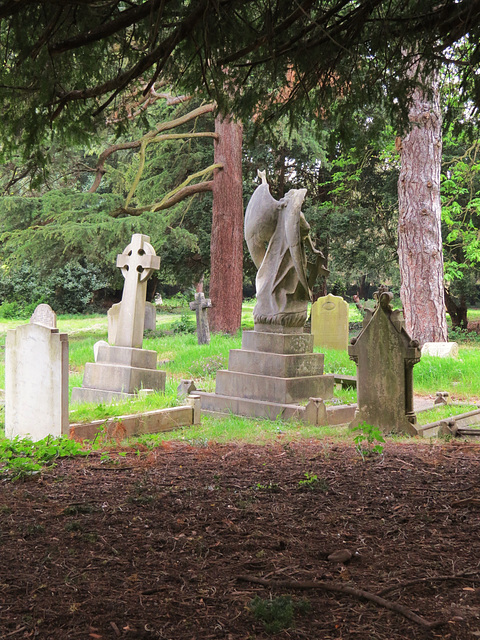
(201, 306)
(36, 378)
(44, 314)
(150, 321)
(385, 356)
(440, 349)
(330, 322)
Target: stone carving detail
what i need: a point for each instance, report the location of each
(283, 281)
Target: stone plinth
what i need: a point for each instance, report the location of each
(119, 372)
(330, 322)
(36, 382)
(270, 375)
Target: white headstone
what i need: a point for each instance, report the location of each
(440, 349)
(36, 382)
(137, 262)
(44, 314)
(96, 347)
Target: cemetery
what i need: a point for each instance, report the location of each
(239, 320)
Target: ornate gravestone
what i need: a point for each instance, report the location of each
(385, 356)
(201, 306)
(36, 378)
(123, 369)
(330, 322)
(276, 367)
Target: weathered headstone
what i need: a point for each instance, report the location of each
(125, 368)
(201, 306)
(36, 378)
(150, 320)
(276, 368)
(44, 314)
(385, 356)
(330, 322)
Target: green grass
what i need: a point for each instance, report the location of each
(443, 411)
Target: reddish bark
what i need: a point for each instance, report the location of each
(419, 228)
(226, 248)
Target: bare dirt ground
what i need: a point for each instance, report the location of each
(163, 543)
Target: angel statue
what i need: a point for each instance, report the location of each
(276, 233)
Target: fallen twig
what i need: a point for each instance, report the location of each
(353, 591)
(466, 575)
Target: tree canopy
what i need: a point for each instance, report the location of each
(66, 61)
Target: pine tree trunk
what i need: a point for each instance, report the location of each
(226, 245)
(419, 230)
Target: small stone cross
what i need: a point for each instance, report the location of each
(137, 263)
(201, 305)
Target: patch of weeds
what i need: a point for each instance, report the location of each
(185, 324)
(90, 537)
(271, 486)
(277, 614)
(367, 442)
(34, 530)
(76, 509)
(209, 366)
(312, 481)
(22, 457)
(73, 527)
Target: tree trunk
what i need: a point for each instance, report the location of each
(419, 231)
(226, 245)
(457, 312)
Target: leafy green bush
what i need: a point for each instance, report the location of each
(68, 289)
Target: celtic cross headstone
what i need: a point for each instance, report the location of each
(137, 263)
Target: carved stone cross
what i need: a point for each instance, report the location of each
(137, 263)
(201, 305)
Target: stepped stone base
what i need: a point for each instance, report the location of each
(118, 373)
(273, 371)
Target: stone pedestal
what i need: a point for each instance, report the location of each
(273, 371)
(119, 372)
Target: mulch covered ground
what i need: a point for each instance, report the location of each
(162, 544)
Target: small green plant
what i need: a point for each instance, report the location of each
(271, 486)
(277, 614)
(367, 442)
(312, 481)
(22, 457)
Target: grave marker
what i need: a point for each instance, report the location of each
(385, 356)
(125, 368)
(201, 306)
(36, 378)
(330, 322)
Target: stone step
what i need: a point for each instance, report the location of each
(276, 364)
(273, 389)
(277, 342)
